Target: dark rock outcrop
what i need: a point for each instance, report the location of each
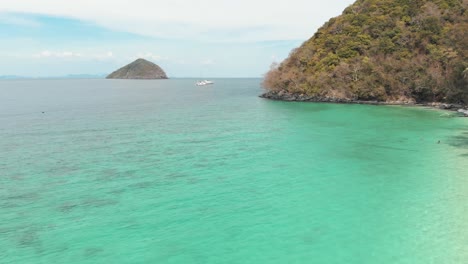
(139, 69)
(295, 97)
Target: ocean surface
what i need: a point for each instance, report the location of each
(121, 171)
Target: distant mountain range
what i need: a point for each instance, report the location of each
(69, 76)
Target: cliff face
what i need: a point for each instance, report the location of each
(381, 50)
(139, 69)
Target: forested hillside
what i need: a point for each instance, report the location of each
(382, 50)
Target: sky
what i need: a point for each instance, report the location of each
(203, 38)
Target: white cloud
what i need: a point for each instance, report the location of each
(70, 54)
(213, 20)
(103, 56)
(181, 62)
(208, 62)
(57, 54)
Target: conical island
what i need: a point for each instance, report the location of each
(389, 51)
(139, 69)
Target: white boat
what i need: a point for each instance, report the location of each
(204, 82)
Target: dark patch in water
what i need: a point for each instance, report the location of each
(99, 203)
(90, 203)
(141, 185)
(460, 141)
(202, 165)
(30, 238)
(313, 236)
(386, 147)
(18, 200)
(194, 141)
(17, 177)
(93, 251)
(117, 191)
(193, 181)
(111, 174)
(65, 208)
(23, 196)
(176, 175)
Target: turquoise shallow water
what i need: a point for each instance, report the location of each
(167, 172)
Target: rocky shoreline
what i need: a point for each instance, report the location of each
(285, 96)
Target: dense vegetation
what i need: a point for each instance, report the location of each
(384, 50)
